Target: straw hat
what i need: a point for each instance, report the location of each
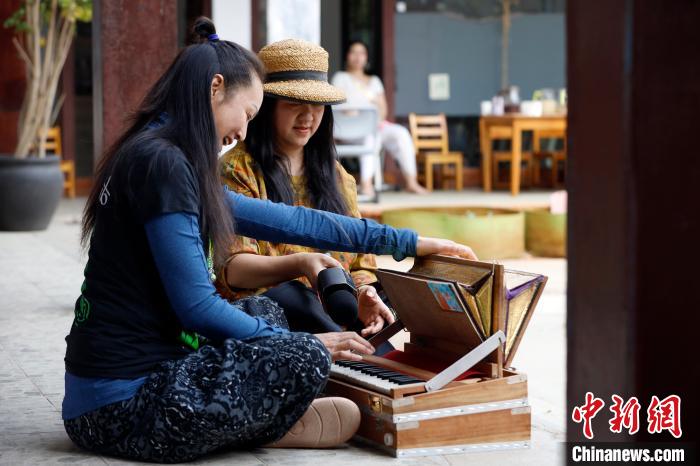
(298, 70)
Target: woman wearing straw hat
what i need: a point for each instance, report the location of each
(288, 156)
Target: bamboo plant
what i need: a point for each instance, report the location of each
(44, 32)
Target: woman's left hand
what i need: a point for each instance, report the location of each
(310, 264)
(373, 313)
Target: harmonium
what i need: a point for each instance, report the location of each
(452, 389)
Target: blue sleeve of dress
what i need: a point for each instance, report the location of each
(177, 251)
(280, 223)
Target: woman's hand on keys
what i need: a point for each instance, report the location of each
(345, 345)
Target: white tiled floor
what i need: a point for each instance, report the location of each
(41, 275)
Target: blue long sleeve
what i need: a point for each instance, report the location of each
(177, 250)
(280, 223)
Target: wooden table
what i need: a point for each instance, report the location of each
(511, 126)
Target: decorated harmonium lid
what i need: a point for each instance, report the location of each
(463, 302)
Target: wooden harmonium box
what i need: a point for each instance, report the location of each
(451, 389)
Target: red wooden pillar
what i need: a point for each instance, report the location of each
(12, 81)
(133, 44)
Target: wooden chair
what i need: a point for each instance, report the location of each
(429, 133)
(501, 157)
(54, 146)
(557, 158)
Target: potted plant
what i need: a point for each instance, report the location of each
(31, 182)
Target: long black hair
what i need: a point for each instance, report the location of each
(183, 93)
(320, 158)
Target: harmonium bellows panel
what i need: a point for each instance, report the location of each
(495, 298)
(522, 291)
(451, 389)
(432, 308)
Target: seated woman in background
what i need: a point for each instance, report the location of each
(288, 156)
(363, 89)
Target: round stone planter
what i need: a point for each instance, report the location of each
(30, 190)
(545, 233)
(491, 233)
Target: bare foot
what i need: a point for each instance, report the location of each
(367, 189)
(412, 186)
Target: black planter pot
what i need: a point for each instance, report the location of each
(30, 190)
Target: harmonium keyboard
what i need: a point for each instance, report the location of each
(452, 388)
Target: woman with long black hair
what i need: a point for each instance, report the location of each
(158, 366)
(289, 156)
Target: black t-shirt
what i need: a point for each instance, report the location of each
(124, 324)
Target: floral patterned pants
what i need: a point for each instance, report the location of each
(240, 394)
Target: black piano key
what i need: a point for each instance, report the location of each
(371, 370)
(408, 377)
(359, 365)
(407, 380)
(386, 375)
(379, 370)
(364, 366)
(396, 377)
(393, 373)
(375, 371)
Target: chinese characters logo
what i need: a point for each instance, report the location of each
(661, 415)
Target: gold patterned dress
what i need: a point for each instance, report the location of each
(241, 174)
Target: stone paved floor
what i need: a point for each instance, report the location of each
(41, 274)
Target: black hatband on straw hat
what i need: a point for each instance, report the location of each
(297, 75)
